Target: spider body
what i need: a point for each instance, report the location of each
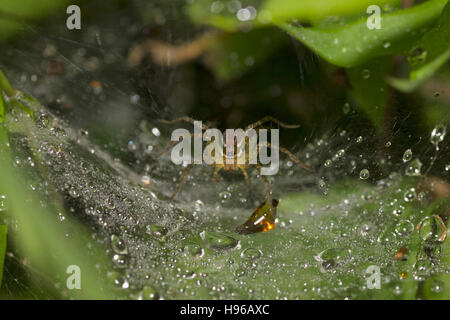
(236, 157)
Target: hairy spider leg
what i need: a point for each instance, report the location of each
(180, 183)
(270, 118)
(215, 174)
(266, 183)
(245, 176)
(286, 151)
(171, 146)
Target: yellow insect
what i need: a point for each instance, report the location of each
(235, 165)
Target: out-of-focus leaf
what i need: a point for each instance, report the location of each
(3, 140)
(236, 53)
(2, 249)
(225, 15)
(45, 241)
(433, 113)
(5, 85)
(2, 108)
(369, 87)
(15, 14)
(353, 44)
(428, 55)
(42, 238)
(306, 10)
(218, 14)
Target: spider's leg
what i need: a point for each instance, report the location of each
(180, 183)
(245, 176)
(186, 119)
(270, 118)
(286, 151)
(171, 146)
(215, 174)
(266, 183)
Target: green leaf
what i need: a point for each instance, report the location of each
(321, 245)
(214, 13)
(306, 10)
(5, 85)
(17, 13)
(222, 15)
(369, 87)
(235, 53)
(2, 249)
(354, 44)
(43, 238)
(2, 108)
(428, 55)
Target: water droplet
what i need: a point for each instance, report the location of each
(194, 250)
(398, 290)
(240, 272)
(118, 245)
(120, 260)
(398, 210)
(366, 74)
(387, 238)
(432, 228)
(364, 174)
(333, 256)
(346, 108)
(83, 132)
(407, 155)
(157, 231)
(156, 132)
(438, 134)
(243, 14)
(437, 285)
(218, 241)
(251, 254)
(117, 280)
(417, 55)
(322, 184)
(404, 228)
(3, 206)
(73, 193)
(148, 293)
(422, 269)
(134, 99)
(42, 120)
(410, 195)
(132, 146)
(414, 168)
(328, 163)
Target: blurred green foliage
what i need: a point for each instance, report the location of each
(429, 54)
(2, 248)
(344, 41)
(41, 237)
(14, 14)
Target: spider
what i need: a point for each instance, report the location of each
(234, 166)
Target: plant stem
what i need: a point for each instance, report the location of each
(6, 86)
